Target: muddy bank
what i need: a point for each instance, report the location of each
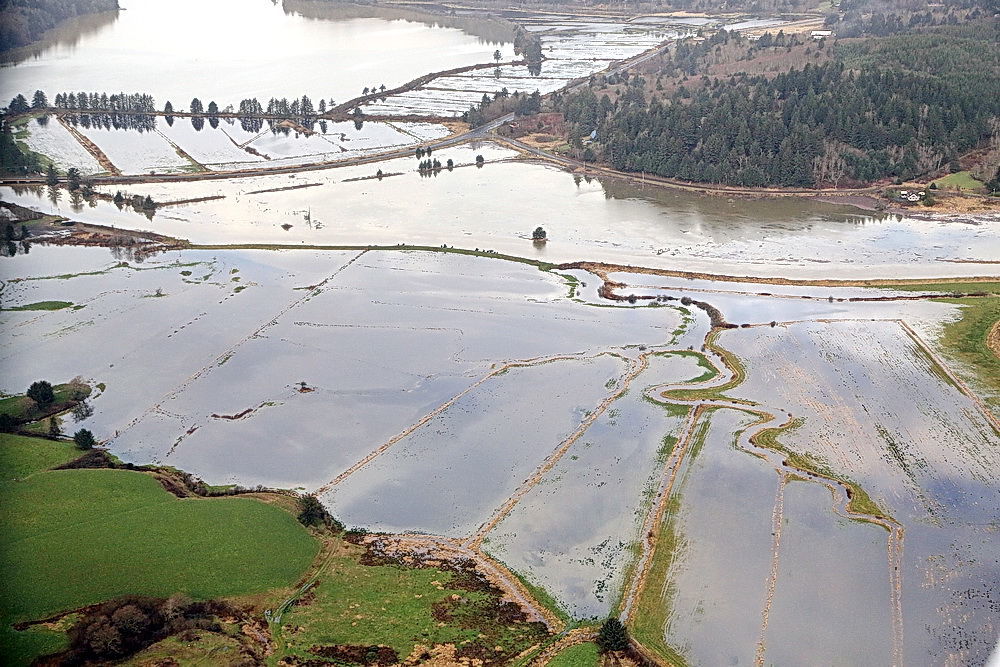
(601, 269)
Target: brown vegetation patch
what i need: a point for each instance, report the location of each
(993, 339)
(95, 458)
(238, 415)
(358, 655)
(119, 628)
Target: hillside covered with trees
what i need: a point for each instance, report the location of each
(23, 21)
(865, 109)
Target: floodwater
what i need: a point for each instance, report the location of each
(581, 558)
(451, 474)
(497, 206)
(228, 50)
(718, 578)
(877, 410)
(259, 323)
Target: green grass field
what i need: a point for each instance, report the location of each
(399, 607)
(578, 655)
(951, 287)
(21, 648)
(24, 409)
(21, 456)
(965, 341)
(76, 537)
(961, 179)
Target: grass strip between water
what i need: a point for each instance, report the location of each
(859, 502)
(41, 305)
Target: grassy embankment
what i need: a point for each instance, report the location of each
(730, 360)
(968, 341)
(652, 605)
(859, 503)
(652, 610)
(41, 305)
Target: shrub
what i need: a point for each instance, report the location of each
(84, 439)
(613, 636)
(41, 392)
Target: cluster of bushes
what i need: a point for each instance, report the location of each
(119, 628)
(314, 513)
(501, 104)
(137, 202)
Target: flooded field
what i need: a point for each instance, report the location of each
(879, 410)
(182, 144)
(610, 469)
(496, 207)
(531, 425)
(812, 486)
(572, 49)
(48, 137)
(219, 316)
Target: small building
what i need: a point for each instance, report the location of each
(821, 34)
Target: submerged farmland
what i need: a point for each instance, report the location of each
(533, 400)
(737, 424)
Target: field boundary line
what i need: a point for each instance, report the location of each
(636, 367)
(381, 449)
(231, 350)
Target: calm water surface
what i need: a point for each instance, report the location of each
(226, 50)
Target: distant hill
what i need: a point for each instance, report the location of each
(788, 110)
(23, 21)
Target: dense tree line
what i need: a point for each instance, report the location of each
(902, 111)
(114, 103)
(24, 21)
(117, 121)
(297, 108)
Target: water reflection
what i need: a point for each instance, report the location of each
(490, 31)
(263, 51)
(64, 38)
